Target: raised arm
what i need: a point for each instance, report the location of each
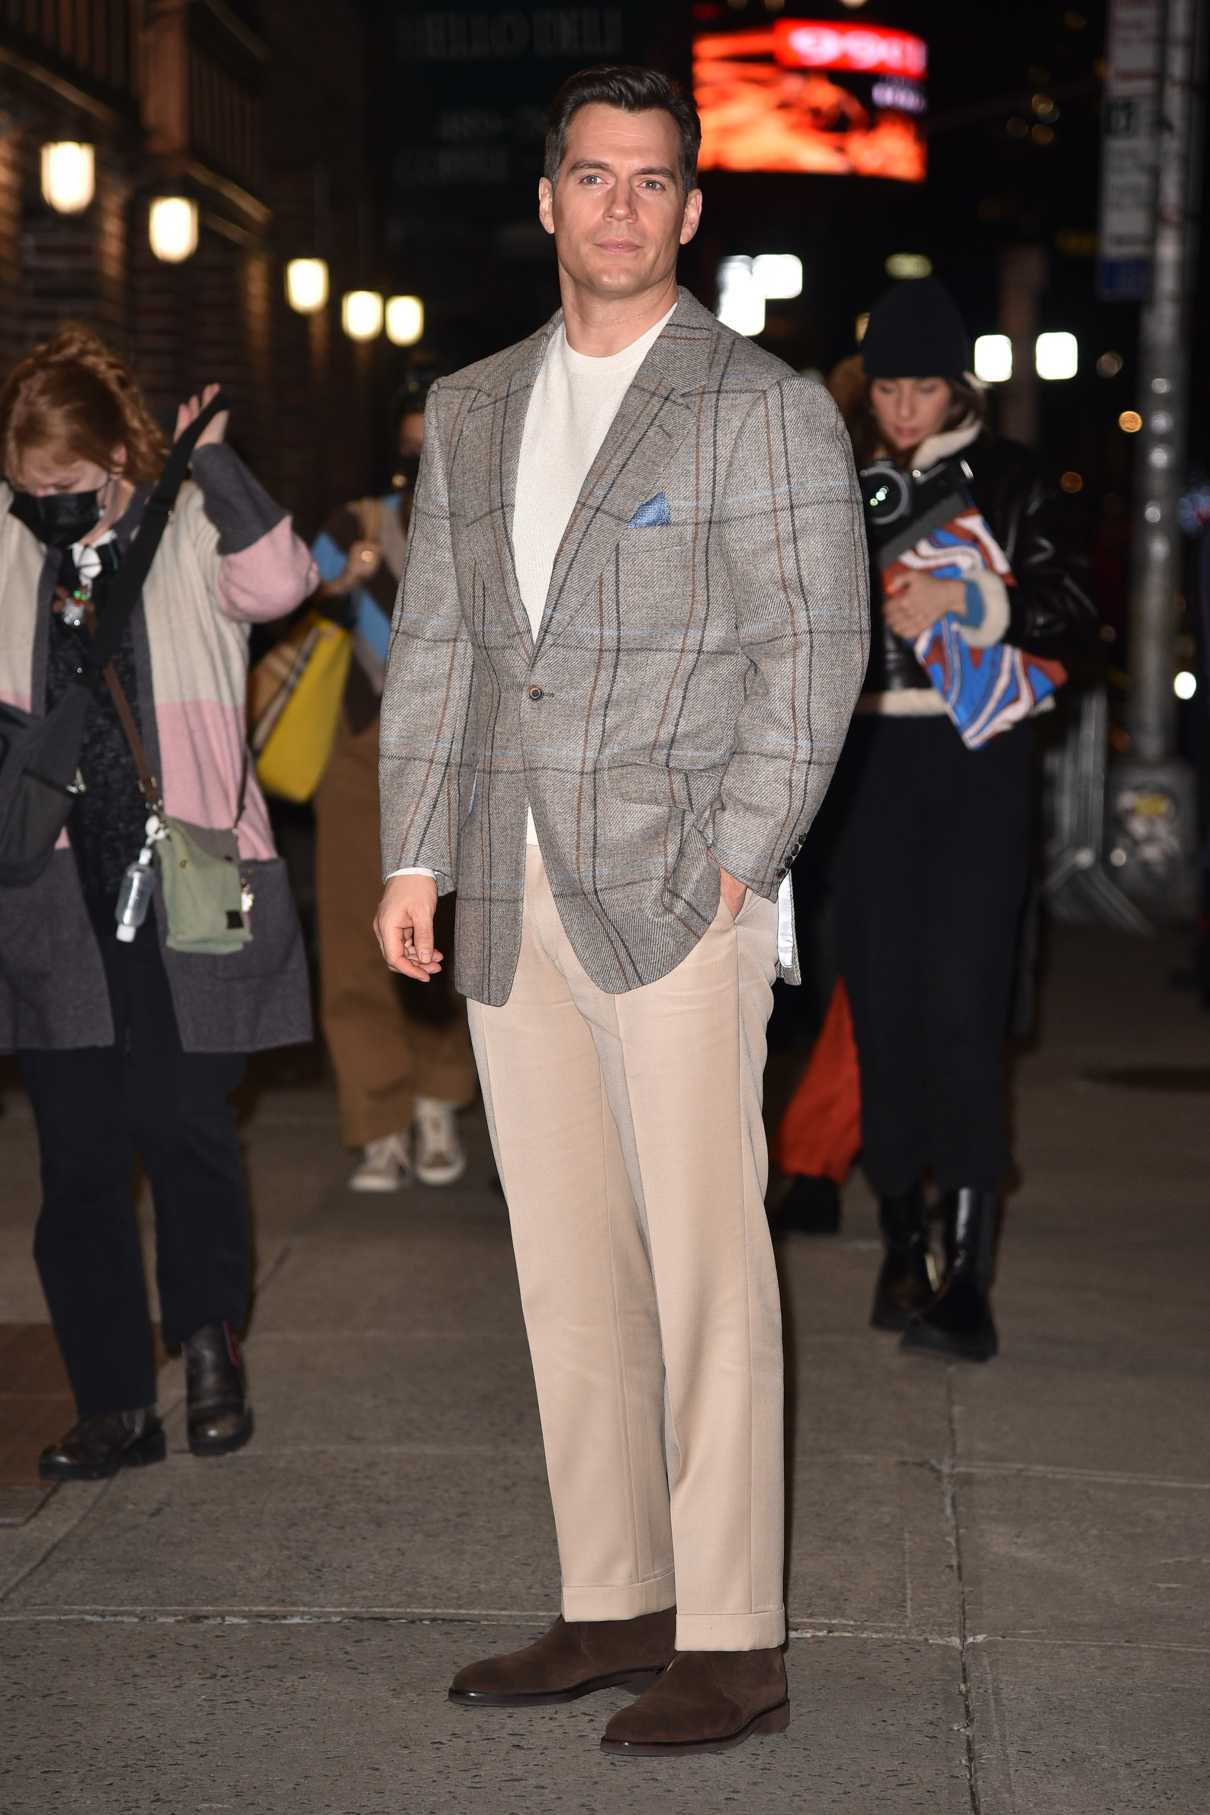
(795, 550)
(262, 570)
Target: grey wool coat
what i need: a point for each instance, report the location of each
(686, 698)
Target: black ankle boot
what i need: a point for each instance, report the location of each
(810, 1207)
(217, 1410)
(99, 1446)
(905, 1284)
(958, 1323)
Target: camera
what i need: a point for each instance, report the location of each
(901, 507)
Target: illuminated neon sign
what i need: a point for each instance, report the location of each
(820, 97)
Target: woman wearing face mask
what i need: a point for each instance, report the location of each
(934, 855)
(400, 1050)
(130, 1050)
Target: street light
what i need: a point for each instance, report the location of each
(69, 175)
(741, 303)
(909, 264)
(307, 285)
(1056, 355)
(361, 314)
(778, 275)
(172, 228)
(993, 358)
(405, 320)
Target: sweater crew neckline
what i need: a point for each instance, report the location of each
(609, 365)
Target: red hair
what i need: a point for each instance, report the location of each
(73, 395)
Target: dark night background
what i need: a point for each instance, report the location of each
(1014, 98)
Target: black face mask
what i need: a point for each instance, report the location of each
(59, 518)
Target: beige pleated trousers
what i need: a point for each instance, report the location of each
(628, 1135)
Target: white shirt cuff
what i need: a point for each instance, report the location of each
(416, 870)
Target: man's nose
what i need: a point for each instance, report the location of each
(620, 205)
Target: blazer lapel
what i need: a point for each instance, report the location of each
(651, 423)
(513, 391)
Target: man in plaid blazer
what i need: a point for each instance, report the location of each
(630, 634)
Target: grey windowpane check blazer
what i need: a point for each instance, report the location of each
(685, 701)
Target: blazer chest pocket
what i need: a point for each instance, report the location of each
(656, 566)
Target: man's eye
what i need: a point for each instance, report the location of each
(590, 176)
(653, 182)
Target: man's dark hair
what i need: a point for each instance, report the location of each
(633, 89)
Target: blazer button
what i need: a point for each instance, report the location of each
(535, 693)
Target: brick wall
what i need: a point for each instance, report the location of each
(10, 244)
(307, 402)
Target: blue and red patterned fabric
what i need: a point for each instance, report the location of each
(986, 690)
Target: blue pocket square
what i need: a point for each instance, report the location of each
(654, 514)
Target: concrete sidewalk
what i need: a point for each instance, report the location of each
(999, 1577)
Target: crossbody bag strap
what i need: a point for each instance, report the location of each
(149, 788)
(127, 589)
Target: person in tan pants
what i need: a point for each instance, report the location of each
(632, 628)
(401, 1054)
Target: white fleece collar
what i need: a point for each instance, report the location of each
(944, 447)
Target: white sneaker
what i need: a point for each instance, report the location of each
(386, 1165)
(440, 1155)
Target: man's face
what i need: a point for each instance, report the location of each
(617, 211)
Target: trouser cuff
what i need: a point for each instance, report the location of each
(626, 1601)
(731, 1631)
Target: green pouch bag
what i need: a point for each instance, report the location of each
(203, 889)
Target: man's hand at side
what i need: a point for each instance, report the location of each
(404, 926)
(733, 892)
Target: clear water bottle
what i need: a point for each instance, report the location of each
(134, 896)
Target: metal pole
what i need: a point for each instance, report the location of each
(1023, 276)
(1153, 819)
(1164, 348)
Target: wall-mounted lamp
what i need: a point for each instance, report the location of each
(405, 320)
(307, 285)
(172, 228)
(361, 313)
(69, 175)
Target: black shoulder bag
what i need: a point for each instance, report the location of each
(40, 753)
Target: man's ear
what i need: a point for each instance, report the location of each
(546, 203)
(691, 219)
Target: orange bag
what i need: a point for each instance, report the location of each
(820, 1133)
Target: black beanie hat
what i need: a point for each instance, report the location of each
(915, 331)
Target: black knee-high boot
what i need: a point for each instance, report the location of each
(958, 1323)
(905, 1284)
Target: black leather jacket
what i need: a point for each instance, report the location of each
(1050, 614)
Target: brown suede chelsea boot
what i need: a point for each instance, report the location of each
(706, 1701)
(572, 1659)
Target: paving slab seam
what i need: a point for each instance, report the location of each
(265, 1279)
(91, 1500)
(1108, 1477)
(1040, 1642)
(950, 1488)
(212, 1616)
